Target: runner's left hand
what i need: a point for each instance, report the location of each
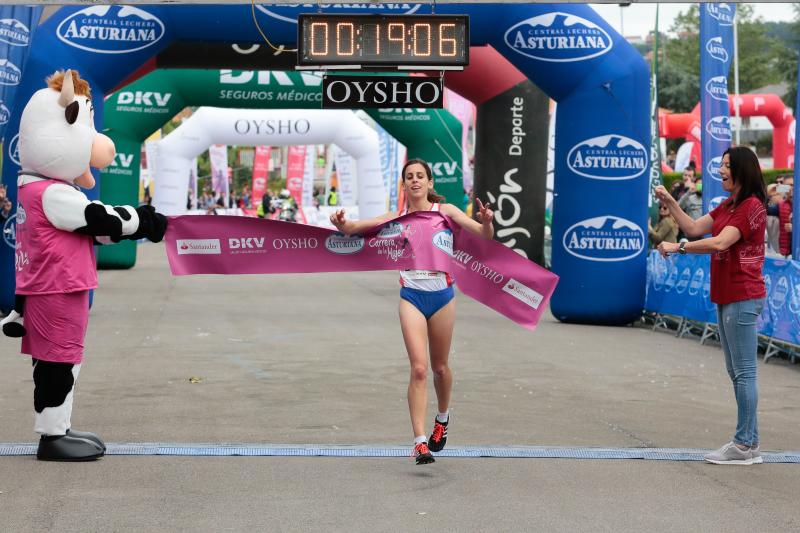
(485, 215)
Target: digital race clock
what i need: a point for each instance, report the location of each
(383, 41)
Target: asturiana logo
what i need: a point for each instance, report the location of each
(717, 88)
(390, 230)
(558, 37)
(111, 29)
(523, 293)
(13, 150)
(794, 300)
(721, 11)
(714, 202)
(5, 113)
(10, 232)
(14, 32)
(443, 240)
(697, 281)
(719, 127)
(10, 74)
(342, 244)
(780, 292)
(683, 281)
(198, 247)
(608, 157)
(716, 49)
(713, 168)
(604, 238)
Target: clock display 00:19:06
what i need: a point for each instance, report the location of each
(387, 40)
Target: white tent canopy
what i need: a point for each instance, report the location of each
(271, 127)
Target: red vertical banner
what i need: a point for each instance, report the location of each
(295, 168)
(260, 173)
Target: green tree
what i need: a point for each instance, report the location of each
(760, 57)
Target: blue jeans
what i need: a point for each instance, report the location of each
(739, 337)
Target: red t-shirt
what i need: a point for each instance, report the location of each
(736, 273)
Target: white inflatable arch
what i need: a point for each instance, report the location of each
(271, 127)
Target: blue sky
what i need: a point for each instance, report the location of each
(639, 19)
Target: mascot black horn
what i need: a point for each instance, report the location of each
(57, 228)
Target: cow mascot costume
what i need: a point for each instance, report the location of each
(57, 228)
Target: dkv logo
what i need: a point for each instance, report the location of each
(717, 88)
(723, 12)
(10, 74)
(716, 49)
(111, 29)
(719, 127)
(712, 168)
(147, 98)
(609, 157)
(604, 238)
(14, 32)
(558, 37)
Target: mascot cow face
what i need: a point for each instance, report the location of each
(57, 138)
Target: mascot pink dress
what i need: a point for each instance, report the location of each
(57, 228)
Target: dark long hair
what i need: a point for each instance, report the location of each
(433, 196)
(746, 171)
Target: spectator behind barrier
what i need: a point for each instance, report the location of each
(666, 229)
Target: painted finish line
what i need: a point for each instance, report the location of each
(308, 450)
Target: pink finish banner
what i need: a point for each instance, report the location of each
(483, 269)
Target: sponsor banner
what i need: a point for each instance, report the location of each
(218, 158)
(17, 24)
(295, 164)
(345, 176)
(308, 175)
(558, 37)
(680, 285)
(716, 52)
(352, 92)
(111, 29)
(483, 269)
(511, 166)
(465, 112)
(260, 173)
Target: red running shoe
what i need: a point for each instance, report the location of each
(439, 436)
(423, 454)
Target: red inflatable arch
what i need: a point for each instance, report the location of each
(687, 125)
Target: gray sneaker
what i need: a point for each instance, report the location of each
(756, 451)
(730, 454)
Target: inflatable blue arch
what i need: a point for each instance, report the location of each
(600, 82)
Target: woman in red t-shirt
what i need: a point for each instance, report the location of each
(736, 246)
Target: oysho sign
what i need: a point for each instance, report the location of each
(558, 37)
(272, 126)
(609, 157)
(381, 91)
(604, 238)
(111, 29)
